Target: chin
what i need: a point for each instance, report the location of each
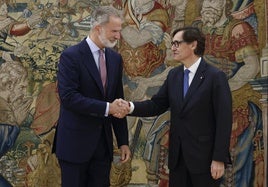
(110, 44)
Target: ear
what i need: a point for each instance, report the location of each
(98, 29)
(194, 45)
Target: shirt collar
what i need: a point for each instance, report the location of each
(93, 47)
(193, 68)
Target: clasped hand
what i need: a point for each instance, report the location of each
(119, 108)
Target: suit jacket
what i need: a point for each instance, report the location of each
(200, 123)
(83, 103)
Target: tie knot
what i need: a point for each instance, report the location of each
(186, 71)
(101, 52)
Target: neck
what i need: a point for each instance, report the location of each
(96, 40)
(190, 61)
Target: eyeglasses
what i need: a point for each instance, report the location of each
(176, 43)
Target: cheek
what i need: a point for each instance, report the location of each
(188, 50)
(177, 56)
(108, 34)
(182, 54)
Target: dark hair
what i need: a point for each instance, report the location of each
(191, 34)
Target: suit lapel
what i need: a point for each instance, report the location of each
(177, 86)
(197, 81)
(180, 88)
(110, 69)
(89, 62)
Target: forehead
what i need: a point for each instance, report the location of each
(178, 36)
(115, 19)
(114, 22)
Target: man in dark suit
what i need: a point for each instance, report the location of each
(84, 138)
(201, 121)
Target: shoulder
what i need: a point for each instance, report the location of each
(114, 55)
(77, 48)
(112, 51)
(175, 70)
(209, 67)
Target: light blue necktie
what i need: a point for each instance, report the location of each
(185, 81)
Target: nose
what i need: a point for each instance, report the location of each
(117, 35)
(173, 48)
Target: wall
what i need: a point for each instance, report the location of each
(33, 34)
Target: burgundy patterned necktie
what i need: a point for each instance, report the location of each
(102, 68)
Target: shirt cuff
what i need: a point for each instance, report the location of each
(107, 110)
(131, 105)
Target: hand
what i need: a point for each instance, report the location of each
(119, 108)
(216, 169)
(125, 153)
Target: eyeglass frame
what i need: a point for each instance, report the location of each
(176, 43)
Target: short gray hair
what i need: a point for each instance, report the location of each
(102, 14)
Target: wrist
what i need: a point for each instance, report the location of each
(131, 107)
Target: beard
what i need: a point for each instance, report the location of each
(105, 41)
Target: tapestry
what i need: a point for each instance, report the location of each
(33, 33)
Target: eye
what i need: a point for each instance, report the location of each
(176, 43)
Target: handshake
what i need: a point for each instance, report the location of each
(119, 108)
